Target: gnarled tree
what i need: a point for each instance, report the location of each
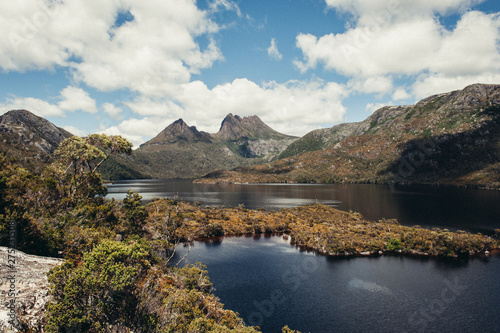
(77, 162)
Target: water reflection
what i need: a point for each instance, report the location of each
(465, 209)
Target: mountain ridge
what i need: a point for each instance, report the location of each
(379, 148)
(251, 127)
(23, 121)
(181, 151)
(450, 138)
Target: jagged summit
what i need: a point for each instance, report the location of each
(181, 151)
(180, 128)
(178, 131)
(252, 127)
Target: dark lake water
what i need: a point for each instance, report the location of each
(466, 209)
(272, 284)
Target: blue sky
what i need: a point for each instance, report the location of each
(132, 67)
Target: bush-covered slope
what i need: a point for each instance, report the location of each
(450, 138)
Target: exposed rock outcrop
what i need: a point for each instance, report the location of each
(28, 273)
(235, 127)
(178, 131)
(29, 139)
(28, 129)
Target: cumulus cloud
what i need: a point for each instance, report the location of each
(73, 99)
(385, 10)
(37, 106)
(405, 38)
(408, 47)
(161, 36)
(70, 99)
(75, 131)
(435, 83)
(372, 107)
(227, 5)
(273, 52)
(376, 84)
(112, 110)
(400, 94)
(23, 42)
(307, 104)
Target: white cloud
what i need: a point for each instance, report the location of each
(429, 84)
(304, 103)
(227, 5)
(23, 42)
(162, 37)
(400, 94)
(157, 107)
(136, 140)
(75, 131)
(385, 10)
(372, 107)
(112, 110)
(273, 52)
(37, 106)
(160, 49)
(406, 39)
(70, 99)
(74, 99)
(373, 85)
(138, 131)
(472, 47)
(307, 104)
(404, 48)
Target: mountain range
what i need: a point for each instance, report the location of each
(451, 138)
(181, 151)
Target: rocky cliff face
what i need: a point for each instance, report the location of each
(235, 127)
(26, 136)
(33, 130)
(253, 137)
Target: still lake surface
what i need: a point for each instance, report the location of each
(466, 209)
(271, 283)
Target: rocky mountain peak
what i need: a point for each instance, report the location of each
(180, 128)
(178, 131)
(252, 127)
(31, 132)
(33, 127)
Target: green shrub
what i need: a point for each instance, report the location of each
(394, 244)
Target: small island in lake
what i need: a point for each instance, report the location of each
(318, 227)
